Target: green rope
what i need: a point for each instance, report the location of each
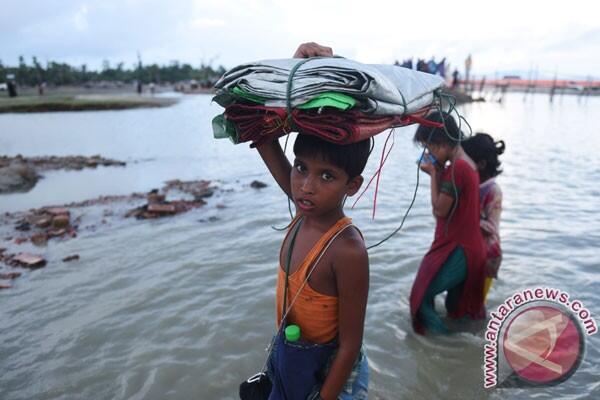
(412, 202)
(439, 96)
(288, 93)
(288, 104)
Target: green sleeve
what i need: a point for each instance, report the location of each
(450, 189)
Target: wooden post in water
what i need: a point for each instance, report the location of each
(481, 86)
(530, 84)
(553, 89)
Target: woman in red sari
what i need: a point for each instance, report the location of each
(455, 262)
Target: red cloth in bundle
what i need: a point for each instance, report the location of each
(258, 123)
(344, 127)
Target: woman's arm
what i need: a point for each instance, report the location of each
(351, 269)
(441, 202)
(490, 225)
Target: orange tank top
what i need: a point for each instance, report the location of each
(314, 312)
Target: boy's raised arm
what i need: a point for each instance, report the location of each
(271, 152)
(278, 164)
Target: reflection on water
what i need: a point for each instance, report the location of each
(183, 309)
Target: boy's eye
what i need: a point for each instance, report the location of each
(327, 176)
(299, 167)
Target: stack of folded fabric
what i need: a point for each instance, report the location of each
(337, 99)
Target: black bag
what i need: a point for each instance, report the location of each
(257, 387)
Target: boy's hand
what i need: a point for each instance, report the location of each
(312, 49)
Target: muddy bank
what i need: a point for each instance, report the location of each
(26, 237)
(20, 174)
(460, 96)
(66, 163)
(17, 177)
(81, 103)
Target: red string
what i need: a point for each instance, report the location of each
(381, 163)
(377, 173)
(413, 119)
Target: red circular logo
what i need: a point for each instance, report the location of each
(543, 344)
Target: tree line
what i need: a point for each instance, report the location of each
(56, 73)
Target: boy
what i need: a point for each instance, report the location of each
(331, 305)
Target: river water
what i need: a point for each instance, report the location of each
(183, 307)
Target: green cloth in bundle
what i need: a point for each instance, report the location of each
(340, 101)
(222, 128)
(330, 99)
(248, 96)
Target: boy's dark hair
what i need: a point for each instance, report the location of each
(481, 147)
(352, 158)
(439, 136)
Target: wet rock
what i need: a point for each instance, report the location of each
(42, 221)
(39, 239)
(158, 207)
(10, 275)
(154, 197)
(28, 260)
(45, 223)
(199, 189)
(5, 287)
(209, 219)
(56, 232)
(162, 209)
(20, 174)
(17, 176)
(151, 211)
(258, 185)
(56, 211)
(23, 226)
(21, 240)
(71, 258)
(60, 221)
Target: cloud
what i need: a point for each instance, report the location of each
(202, 23)
(80, 19)
(515, 35)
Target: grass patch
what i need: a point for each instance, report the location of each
(49, 103)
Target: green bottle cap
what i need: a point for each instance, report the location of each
(292, 333)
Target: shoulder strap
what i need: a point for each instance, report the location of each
(329, 243)
(319, 247)
(305, 281)
(288, 262)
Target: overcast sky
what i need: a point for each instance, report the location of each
(501, 36)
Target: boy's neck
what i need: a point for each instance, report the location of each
(325, 221)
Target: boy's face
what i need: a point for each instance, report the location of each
(319, 187)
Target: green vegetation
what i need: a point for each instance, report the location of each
(60, 74)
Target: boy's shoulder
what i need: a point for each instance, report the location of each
(349, 249)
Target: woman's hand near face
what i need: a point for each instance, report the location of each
(428, 167)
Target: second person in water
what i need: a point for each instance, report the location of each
(456, 259)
